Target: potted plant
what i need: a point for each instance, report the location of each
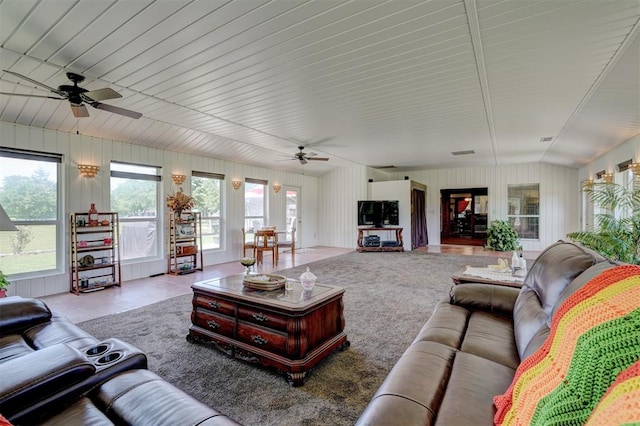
(4, 283)
(616, 232)
(502, 236)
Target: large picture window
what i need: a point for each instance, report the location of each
(134, 196)
(30, 195)
(206, 191)
(524, 210)
(254, 203)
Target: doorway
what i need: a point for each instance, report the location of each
(464, 216)
(291, 213)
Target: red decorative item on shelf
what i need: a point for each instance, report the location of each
(93, 215)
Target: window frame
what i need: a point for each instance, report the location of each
(516, 216)
(220, 178)
(248, 219)
(157, 219)
(59, 221)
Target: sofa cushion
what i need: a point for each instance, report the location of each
(549, 275)
(81, 412)
(17, 314)
(13, 346)
(58, 330)
(490, 336)
(140, 397)
(473, 382)
(413, 390)
(593, 336)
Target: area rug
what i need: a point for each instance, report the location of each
(388, 297)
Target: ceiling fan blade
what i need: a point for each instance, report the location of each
(303, 161)
(318, 159)
(101, 94)
(311, 154)
(79, 111)
(30, 96)
(30, 80)
(116, 110)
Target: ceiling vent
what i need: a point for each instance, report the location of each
(546, 139)
(467, 152)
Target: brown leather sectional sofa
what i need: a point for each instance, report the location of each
(468, 350)
(53, 372)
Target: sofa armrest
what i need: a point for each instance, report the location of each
(485, 297)
(18, 314)
(39, 379)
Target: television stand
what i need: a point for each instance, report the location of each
(395, 244)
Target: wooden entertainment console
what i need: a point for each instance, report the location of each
(397, 243)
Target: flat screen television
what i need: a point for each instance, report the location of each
(378, 214)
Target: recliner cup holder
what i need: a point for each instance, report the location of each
(97, 350)
(109, 358)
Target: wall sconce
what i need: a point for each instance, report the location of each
(587, 183)
(635, 168)
(178, 179)
(607, 177)
(236, 184)
(88, 170)
(277, 187)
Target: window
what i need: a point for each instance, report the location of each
(254, 203)
(524, 209)
(134, 196)
(30, 195)
(206, 190)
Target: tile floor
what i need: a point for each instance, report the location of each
(141, 292)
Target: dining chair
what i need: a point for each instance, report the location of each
(248, 244)
(291, 243)
(266, 240)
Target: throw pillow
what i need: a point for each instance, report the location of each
(594, 336)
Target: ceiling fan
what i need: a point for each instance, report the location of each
(78, 96)
(304, 157)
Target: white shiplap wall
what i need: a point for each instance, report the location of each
(338, 203)
(559, 195)
(79, 192)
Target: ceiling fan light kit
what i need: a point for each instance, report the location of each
(304, 157)
(78, 96)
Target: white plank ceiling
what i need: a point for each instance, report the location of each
(399, 83)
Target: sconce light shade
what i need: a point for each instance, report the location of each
(635, 168)
(5, 222)
(587, 183)
(608, 178)
(277, 187)
(236, 184)
(88, 170)
(178, 179)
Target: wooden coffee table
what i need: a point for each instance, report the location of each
(479, 274)
(289, 330)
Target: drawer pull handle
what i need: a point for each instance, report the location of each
(260, 317)
(259, 340)
(213, 324)
(214, 304)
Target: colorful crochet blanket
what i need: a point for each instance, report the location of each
(588, 366)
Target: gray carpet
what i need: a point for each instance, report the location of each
(388, 298)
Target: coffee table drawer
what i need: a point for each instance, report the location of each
(265, 319)
(215, 304)
(259, 337)
(217, 323)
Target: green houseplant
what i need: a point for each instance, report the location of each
(616, 231)
(502, 236)
(4, 283)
